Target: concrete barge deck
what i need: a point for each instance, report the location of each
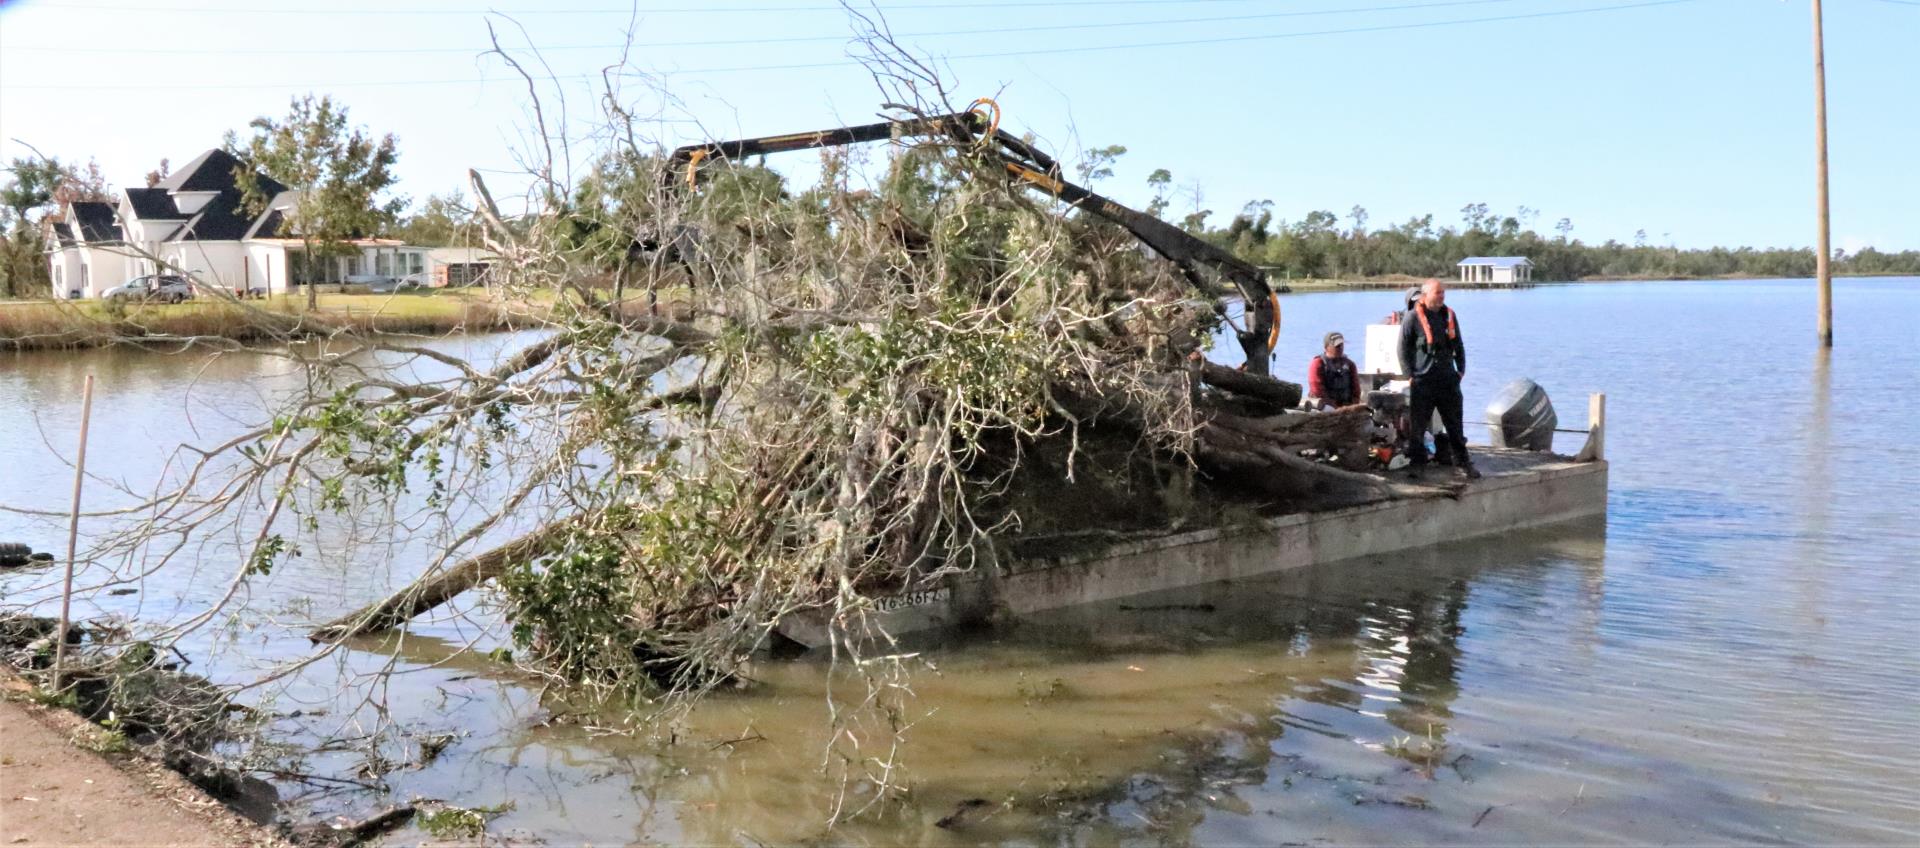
(1520, 490)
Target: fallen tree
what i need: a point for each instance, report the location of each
(748, 399)
(865, 373)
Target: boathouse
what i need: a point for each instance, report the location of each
(1496, 269)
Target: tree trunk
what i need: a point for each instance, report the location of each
(434, 589)
(1277, 392)
(313, 292)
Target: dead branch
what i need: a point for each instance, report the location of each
(432, 590)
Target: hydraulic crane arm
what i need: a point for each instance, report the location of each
(1038, 171)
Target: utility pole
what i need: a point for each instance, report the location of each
(1821, 268)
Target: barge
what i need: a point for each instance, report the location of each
(1520, 489)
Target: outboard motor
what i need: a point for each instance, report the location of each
(1521, 416)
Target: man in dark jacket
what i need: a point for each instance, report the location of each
(1434, 357)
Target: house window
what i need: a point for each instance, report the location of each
(416, 263)
(58, 274)
(382, 265)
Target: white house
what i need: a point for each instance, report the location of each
(196, 221)
(85, 249)
(1496, 269)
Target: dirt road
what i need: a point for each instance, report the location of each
(55, 793)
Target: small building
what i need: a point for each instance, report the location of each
(460, 266)
(1496, 269)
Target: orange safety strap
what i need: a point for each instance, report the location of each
(992, 110)
(1273, 335)
(1453, 329)
(693, 165)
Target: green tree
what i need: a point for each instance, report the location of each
(1098, 164)
(29, 187)
(441, 221)
(35, 185)
(1159, 180)
(337, 172)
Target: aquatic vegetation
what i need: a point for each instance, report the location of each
(449, 821)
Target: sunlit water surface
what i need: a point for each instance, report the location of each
(1727, 657)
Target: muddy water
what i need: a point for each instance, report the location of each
(1726, 657)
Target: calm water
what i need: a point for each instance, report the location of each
(1727, 657)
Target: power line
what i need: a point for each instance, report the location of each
(751, 41)
(841, 64)
(610, 10)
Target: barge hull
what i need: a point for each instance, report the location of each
(1520, 490)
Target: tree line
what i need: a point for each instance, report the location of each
(1318, 245)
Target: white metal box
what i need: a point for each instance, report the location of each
(1383, 349)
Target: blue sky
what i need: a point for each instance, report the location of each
(1691, 120)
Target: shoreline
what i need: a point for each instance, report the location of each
(66, 325)
(48, 325)
(61, 793)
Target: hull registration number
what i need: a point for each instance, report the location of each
(912, 599)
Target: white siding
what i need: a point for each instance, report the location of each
(189, 202)
(102, 268)
(218, 263)
(267, 267)
(149, 237)
(65, 270)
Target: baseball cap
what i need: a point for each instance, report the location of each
(1334, 339)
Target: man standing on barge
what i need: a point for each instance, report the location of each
(1434, 358)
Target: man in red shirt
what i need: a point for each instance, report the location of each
(1333, 381)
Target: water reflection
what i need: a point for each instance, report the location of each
(1721, 663)
(1146, 717)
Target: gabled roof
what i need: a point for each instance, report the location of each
(224, 218)
(153, 204)
(1496, 261)
(95, 221)
(268, 225)
(210, 171)
(62, 234)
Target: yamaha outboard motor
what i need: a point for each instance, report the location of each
(1521, 416)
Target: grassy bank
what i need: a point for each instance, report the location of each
(40, 325)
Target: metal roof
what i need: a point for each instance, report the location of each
(1497, 261)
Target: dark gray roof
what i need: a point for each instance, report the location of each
(213, 171)
(153, 204)
(95, 221)
(210, 171)
(224, 218)
(62, 234)
(268, 225)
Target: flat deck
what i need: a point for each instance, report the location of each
(1520, 489)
